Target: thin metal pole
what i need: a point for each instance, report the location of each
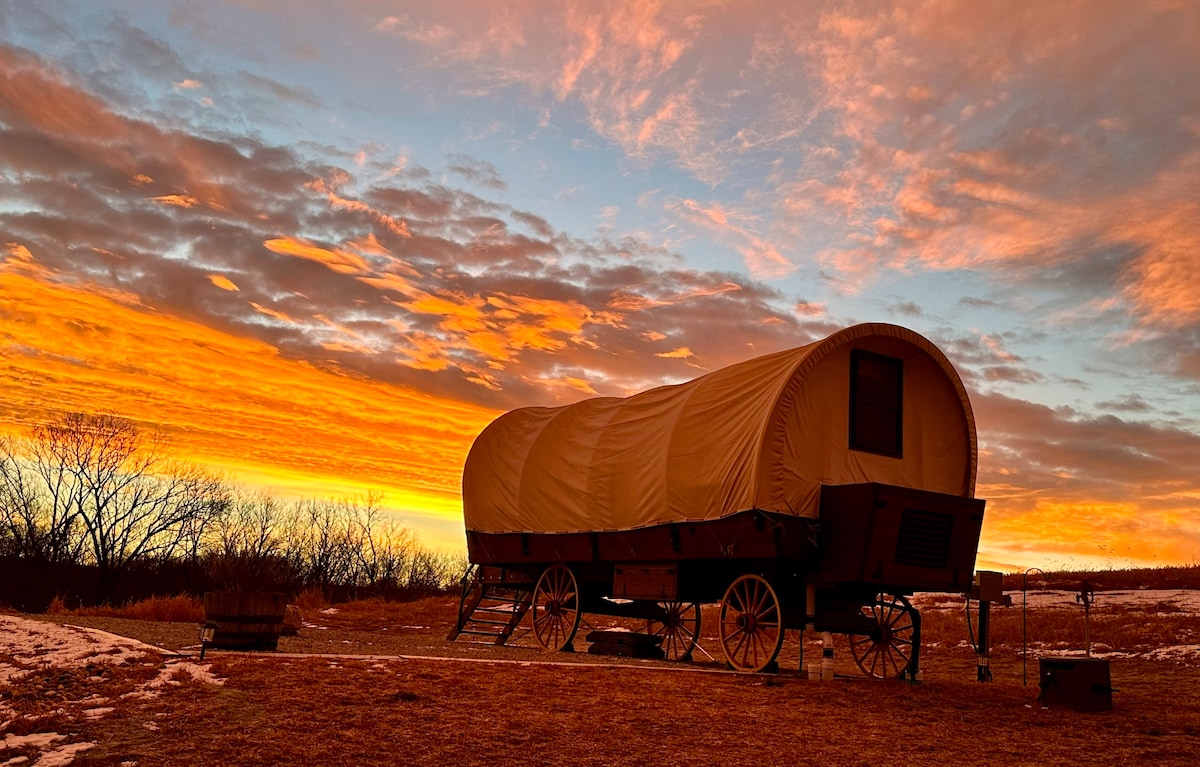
(1024, 629)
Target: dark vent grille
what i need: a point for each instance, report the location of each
(924, 539)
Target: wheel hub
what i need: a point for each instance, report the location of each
(746, 623)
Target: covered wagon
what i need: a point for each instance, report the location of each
(814, 488)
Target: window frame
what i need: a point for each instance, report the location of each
(898, 365)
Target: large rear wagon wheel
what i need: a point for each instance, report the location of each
(679, 629)
(888, 650)
(555, 608)
(751, 624)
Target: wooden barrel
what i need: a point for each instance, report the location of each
(246, 620)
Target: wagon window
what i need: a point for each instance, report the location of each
(876, 403)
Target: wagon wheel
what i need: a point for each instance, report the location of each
(679, 629)
(555, 608)
(888, 650)
(751, 624)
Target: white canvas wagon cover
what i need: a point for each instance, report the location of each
(763, 434)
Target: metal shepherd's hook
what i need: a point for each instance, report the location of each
(1024, 630)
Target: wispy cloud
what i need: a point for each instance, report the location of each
(430, 279)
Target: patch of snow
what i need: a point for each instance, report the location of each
(1168, 600)
(63, 755)
(329, 611)
(37, 740)
(167, 676)
(1174, 652)
(96, 713)
(38, 643)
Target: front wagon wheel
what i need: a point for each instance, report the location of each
(555, 608)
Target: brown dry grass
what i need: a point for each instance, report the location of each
(177, 609)
(330, 712)
(1112, 628)
(1180, 577)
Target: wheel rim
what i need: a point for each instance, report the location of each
(555, 608)
(751, 625)
(679, 629)
(887, 651)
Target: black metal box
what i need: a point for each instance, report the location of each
(1081, 684)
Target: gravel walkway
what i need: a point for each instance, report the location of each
(412, 641)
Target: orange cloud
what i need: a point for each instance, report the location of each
(231, 403)
(499, 326)
(681, 353)
(337, 260)
(223, 282)
(762, 257)
(369, 244)
(394, 225)
(178, 200)
(1160, 219)
(272, 313)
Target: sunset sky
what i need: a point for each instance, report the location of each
(322, 244)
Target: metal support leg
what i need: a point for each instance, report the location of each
(983, 670)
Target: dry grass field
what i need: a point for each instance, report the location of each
(463, 704)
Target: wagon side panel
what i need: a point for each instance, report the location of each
(883, 537)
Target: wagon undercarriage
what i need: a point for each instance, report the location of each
(883, 631)
(769, 573)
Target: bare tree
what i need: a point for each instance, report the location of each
(246, 545)
(96, 489)
(104, 476)
(38, 518)
(381, 547)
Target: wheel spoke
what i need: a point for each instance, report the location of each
(757, 601)
(740, 595)
(742, 637)
(886, 618)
